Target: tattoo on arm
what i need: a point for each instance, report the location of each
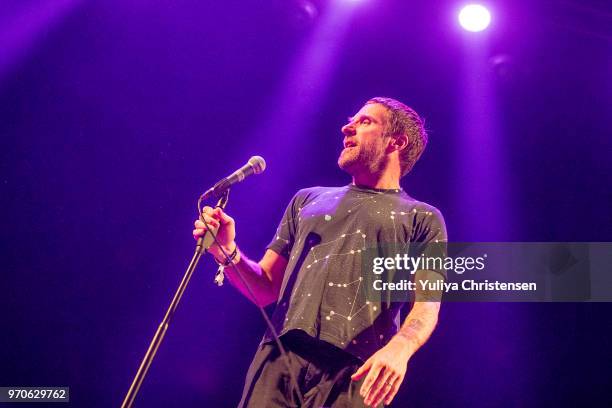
(419, 324)
(415, 324)
(423, 317)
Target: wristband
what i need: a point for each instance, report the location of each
(229, 259)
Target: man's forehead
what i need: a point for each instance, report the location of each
(374, 110)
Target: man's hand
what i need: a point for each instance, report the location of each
(216, 218)
(385, 372)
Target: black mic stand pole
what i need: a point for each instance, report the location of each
(204, 242)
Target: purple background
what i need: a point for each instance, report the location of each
(116, 115)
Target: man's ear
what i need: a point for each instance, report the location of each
(400, 142)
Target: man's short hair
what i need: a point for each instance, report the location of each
(403, 120)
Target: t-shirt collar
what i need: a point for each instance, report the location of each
(365, 189)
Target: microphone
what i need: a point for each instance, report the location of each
(255, 165)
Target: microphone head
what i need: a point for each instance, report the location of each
(258, 163)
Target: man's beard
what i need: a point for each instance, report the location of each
(357, 159)
(349, 158)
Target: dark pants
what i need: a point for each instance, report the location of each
(323, 374)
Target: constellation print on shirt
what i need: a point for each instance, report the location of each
(352, 313)
(350, 252)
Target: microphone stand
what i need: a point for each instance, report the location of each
(204, 242)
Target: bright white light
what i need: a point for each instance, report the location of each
(474, 17)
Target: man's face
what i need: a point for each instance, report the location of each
(364, 141)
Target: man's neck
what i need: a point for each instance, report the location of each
(379, 181)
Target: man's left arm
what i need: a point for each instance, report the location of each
(385, 370)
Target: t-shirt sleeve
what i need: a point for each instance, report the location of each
(431, 238)
(284, 238)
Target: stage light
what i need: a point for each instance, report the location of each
(474, 17)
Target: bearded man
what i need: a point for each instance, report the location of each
(344, 349)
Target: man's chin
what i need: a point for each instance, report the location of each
(347, 165)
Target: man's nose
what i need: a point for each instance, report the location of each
(348, 129)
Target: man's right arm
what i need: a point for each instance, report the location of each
(264, 278)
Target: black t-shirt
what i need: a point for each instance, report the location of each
(324, 235)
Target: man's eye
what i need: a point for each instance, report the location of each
(365, 121)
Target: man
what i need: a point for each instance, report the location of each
(345, 350)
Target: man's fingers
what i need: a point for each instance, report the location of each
(393, 391)
(370, 378)
(222, 216)
(212, 223)
(201, 228)
(361, 371)
(381, 387)
(215, 213)
(198, 232)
